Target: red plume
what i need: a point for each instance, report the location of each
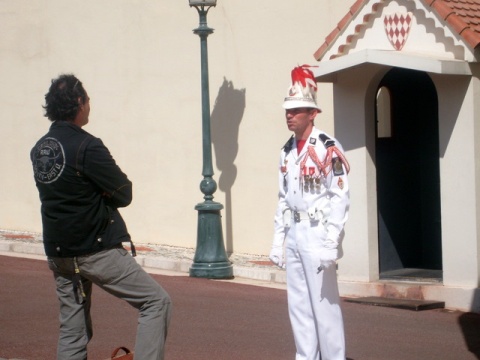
(304, 76)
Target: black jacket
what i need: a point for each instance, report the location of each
(80, 188)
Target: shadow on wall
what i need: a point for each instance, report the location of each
(225, 120)
(470, 324)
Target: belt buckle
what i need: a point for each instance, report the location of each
(296, 216)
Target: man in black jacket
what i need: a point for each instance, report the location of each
(81, 187)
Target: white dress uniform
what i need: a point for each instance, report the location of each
(312, 210)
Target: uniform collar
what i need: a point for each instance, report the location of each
(311, 140)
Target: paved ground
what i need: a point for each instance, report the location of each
(221, 320)
(155, 256)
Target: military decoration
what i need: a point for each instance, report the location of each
(284, 171)
(340, 183)
(311, 179)
(337, 167)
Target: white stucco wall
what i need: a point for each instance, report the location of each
(357, 88)
(458, 180)
(140, 63)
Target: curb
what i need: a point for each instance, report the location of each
(249, 270)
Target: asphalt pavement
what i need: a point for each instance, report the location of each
(239, 319)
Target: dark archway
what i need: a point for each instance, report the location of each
(408, 176)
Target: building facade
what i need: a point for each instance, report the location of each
(405, 80)
(398, 83)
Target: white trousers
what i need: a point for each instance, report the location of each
(313, 298)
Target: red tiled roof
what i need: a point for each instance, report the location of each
(463, 16)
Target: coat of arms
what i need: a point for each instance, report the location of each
(397, 27)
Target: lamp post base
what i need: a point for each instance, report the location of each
(212, 270)
(210, 260)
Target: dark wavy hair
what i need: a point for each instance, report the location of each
(61, 101)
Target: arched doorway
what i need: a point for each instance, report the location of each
(408, 177)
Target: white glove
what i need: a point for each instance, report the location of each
(328, 257)
(276, 256)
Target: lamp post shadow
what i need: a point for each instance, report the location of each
(226, 117)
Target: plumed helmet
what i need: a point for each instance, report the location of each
(303, 91)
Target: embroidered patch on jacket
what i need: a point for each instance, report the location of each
(337, 167)
(313, 141)
(48, 160)
(340, 183)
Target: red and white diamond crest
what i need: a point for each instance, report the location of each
(397, 27)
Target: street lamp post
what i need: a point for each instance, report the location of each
(210, 260)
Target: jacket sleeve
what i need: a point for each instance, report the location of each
(339, 195)
(101, 169)
(279, 227)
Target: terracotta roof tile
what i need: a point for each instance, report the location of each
(442, 9)
(332, 36)
(340, 26)
(344, 22)
(463, 16)
(457, 23)
(357, 6)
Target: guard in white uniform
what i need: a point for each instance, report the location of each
(312, 210)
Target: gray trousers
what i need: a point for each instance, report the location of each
(116, 272)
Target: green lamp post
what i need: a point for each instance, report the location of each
(210, 260)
